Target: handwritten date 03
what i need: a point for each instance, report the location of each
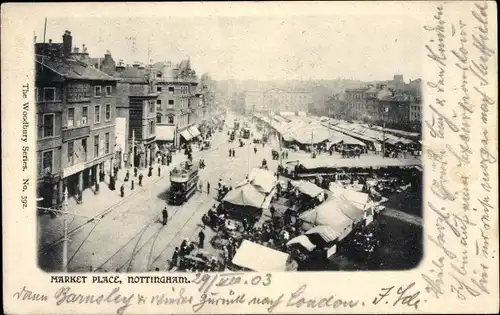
(207, 281)
(402, 295)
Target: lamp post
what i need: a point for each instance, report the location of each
(65, 227)
(386, 110)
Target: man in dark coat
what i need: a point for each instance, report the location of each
(208, 187)
(127, 175)
(150, 172)
(273, 211)
(165, 216)
(201, 236)
(175, 257)
(140, 179)
(135, 171)
(159, 171)
(132, 185)
(122, 190)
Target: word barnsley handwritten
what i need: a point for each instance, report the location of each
(401, 296)
(66, 296)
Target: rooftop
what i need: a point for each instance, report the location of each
(72, 69)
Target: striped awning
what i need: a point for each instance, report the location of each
(186, 135)
(194, 131)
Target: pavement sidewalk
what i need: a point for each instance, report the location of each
(95, 203)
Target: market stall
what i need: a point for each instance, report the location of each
(268, 259)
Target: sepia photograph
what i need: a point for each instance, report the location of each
(160, 151)
(265, 157)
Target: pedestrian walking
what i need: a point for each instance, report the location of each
(150, 172)
(273, 211)
(175, 257)
(208, 187)
(132, 185)
(201, 236)
(122, 190)
(164, 214)
(255, 150)
(127, 175)
(205, 220)
(230, 152)
(159, 171)
(200, 186)
(140, 179)
(135, 171)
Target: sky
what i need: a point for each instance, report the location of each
(260, 48)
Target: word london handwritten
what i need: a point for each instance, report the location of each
(451, 50)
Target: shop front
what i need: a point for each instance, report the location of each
(185, 137)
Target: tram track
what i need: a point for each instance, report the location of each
(108, 210)
(141, 232)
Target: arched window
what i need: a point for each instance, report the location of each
(170, 119)
(158, 118)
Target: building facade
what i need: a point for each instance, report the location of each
(178, 100)
(136, 115)
(75, 106)
(276, 100)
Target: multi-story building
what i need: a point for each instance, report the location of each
(415, 110)
(136, 114)
(75, 106)
(178, 100)
(356, 103)
(276, 100)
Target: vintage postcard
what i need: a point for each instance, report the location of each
(250, 157)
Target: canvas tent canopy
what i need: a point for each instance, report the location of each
(246, 195)
(268, 259)
(327, 233)
(307, 188)
(303, 241)
(263, 180)
(330, 214)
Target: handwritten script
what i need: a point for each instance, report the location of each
(461, 152)
(224, 291)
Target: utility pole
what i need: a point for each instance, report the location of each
(44, 30)
(132, 160)
(65, 227)
(249, 157)
(312, 139)
(386, 109)
(99, 40)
